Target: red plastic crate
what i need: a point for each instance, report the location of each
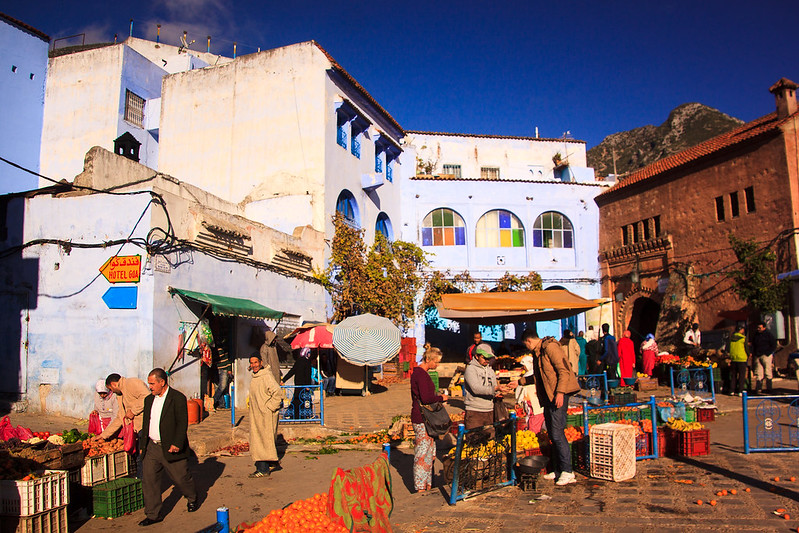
(705, 415)
(693, 443)
(667, 442)
(643, 444)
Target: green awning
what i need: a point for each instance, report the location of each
(228, 306)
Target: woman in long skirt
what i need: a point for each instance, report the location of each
(423, 392)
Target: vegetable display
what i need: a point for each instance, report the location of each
(306, 516)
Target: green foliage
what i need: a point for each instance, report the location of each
(510, 283)
(439, 283)
(755, 281)
(383, 280)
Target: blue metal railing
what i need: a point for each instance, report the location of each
(484, 467)
(652, 403)
(355, 147)
(597, 387)
(341, 137)
(300, 405)
(698, 381)
(768, 431)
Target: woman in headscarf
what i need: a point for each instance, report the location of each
(649, 350)
(582, 364)
(526, 397)
(301, 371)
(626, 356)
(105, 404)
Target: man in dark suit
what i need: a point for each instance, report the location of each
(164, 446)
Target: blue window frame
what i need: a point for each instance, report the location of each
(383, 226)
(341, 136)
(378, 163)
(355, 147)
(389, 172)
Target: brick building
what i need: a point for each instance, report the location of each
(663, 242)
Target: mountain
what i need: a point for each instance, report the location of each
(687, 125)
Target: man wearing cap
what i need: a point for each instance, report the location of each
(479, 388)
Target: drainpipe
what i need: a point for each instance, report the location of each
(131, 28)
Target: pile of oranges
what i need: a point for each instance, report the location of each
(306, 516)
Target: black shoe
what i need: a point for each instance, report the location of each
(150, 521)
(192, 506)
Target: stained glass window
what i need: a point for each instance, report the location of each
(443, 227)
(553, 230)
(499, 229)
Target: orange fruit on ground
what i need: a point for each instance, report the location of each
(718, 493)
(712, 502)
(792, 478)
(733, 492)
(780, 510)
(777, 478)
(699, 502)
(747, 489)
(724, 492)
(786, 516)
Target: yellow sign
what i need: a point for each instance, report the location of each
(122, 269)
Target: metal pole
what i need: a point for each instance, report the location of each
(513, 447)
(653, 403)
(586, 432)
(712, 386)
(671, 379)
(744, 402)
(233, 404)
(605, 380)
(453, 491)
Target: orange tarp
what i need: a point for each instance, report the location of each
(508, 307)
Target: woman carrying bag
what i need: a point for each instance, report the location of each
(423, 392)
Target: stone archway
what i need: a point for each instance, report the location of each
(639, 313)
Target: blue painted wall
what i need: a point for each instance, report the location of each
(23, 69)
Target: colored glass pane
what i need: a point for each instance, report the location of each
(449, 236)
(438, 237)
(505, 238)
(438, 218)
(518, 238)
(460, 236)
(538, 238)
(427, 236)
(567, 240)
(448, 216)
(504, 219)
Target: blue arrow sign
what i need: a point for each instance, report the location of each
(121, 297)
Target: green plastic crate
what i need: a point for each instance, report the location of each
(434, 377)
(575, 420)
(115, 498)
(406, 365)
(690, 414)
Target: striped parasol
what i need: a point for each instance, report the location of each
(366, 340)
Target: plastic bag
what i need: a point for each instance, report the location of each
(129, 437)
(23, 433)
(95, 426)
(6, 429)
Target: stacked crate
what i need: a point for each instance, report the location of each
(612, 452)
(118, 497)
(36, 505)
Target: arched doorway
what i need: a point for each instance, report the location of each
(642, 319)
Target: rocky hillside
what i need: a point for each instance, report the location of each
(687, 125)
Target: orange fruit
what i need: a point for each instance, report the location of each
(718, 493)
(712, 502)
(777, 478)
(792, 478)
(786, 516)
(699, 502)
(747, 489)
(780, 510)
(724, 492)
(733, 492)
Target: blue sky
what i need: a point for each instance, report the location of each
(591, 68)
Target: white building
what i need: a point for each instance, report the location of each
(96, 94)
(491, 204)
(78, 327)
(289, 135)
(23, 71)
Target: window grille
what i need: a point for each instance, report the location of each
(134, 109)
(453, 170)
(341, 136)
(355, 147)
(489, 173)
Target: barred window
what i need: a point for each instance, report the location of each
(134, 109)
(489, 173)
(454, 170)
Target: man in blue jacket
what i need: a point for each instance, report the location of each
(610, 352)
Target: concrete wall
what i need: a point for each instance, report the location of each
(23, 72)
(74, 339)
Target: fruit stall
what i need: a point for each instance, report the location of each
(44, 477)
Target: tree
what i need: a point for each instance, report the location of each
(511, 283)
(755, 281)
(383, 280)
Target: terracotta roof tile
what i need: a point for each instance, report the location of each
(30, 29)
(358, 86)
(747, 132)
(487, 136)
(452, 177)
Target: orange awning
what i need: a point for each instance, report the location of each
(508, 307)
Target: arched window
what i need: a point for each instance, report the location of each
(347, 207)
(383, 226)
(553, 230)
(443, 227)
(499, 229)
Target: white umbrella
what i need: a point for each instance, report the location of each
(366, 340)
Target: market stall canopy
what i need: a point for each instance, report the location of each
(366, 340)
(312, 335)
(508, 307)
(228, 306)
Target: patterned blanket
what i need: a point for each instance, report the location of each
(361, 499)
